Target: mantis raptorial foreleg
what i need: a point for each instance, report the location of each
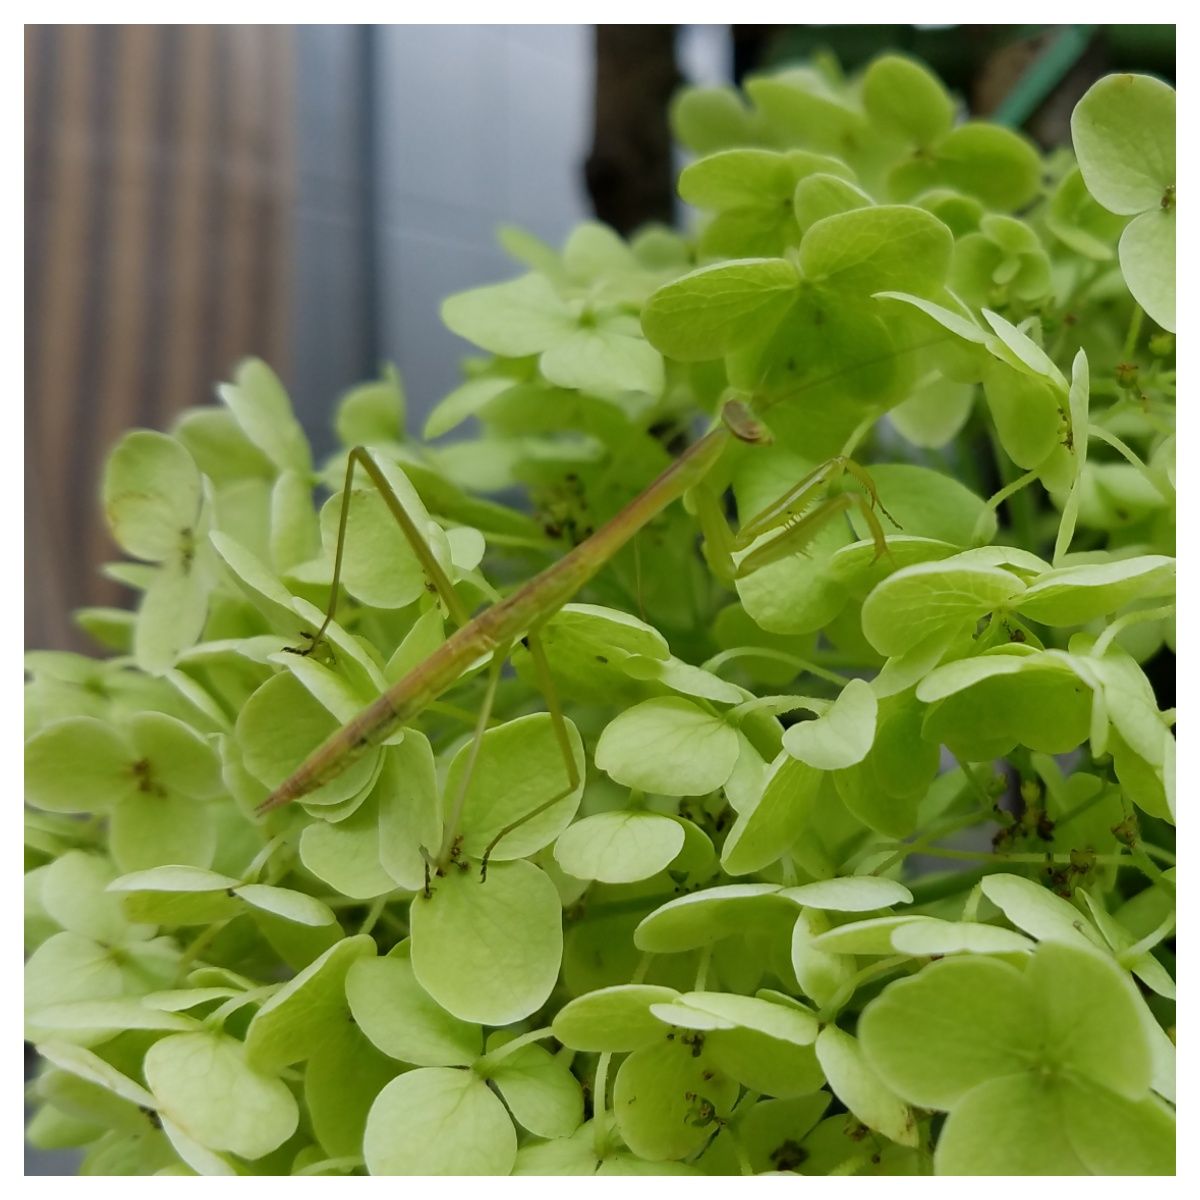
(445, 589)
(541, 667)
(438, 578)
(450, 837)
(802, 512)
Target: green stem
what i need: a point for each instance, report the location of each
(1129, 956)
(800, 665)
(200, 943)
(829, 1013)
(1158, 852)
(219, 1016)
(488, 1061)
(373, 915)
(939, 830)
(599, 1105)
(1021, 510)
(1003, 494)
(929, 890)
(1134, 332)
(481, 724)
(261, 859)
(347, 1163)
(1142, 614)
(744, 1164)
(1110, 439)
(987, 856)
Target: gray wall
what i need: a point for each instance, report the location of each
(416, 143)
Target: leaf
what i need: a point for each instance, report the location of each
(619, 847)
(260, 404)
(341, 1080)
(540, 1091)
(877, 249)
(613, 1018)
(1027, 353)
(668, 746)
(736, 178)
(707, 916)
(1007, 1126)
(714, 310)
(78, 764)
(181, 758)
(819, 975)
(767, 828)
(518, 768)
(524, 316)
(666, 1096)
(401, 1019)
(280, 725)
(1123, 130)
(604, 362)
(958, 1023)
(151, 493)
(468, 400)
(488, 952)
(174, 879)
(348, 855)
(915, 602)
(148, 830)
(1077, 401)
(290, 1025)
(872, 936)
(409, 809)
(981, 707)
(170, 617)
(85, 1065)
(372, 412)
(203, 1083)
(825, 195)
(1114, 1135)
(1093, 1022)
(861, 893)
(930, 938)
(379, 565)
(766, 1047)
(904, 99)
(857, 1085)
(840, 737)
(1073, 595)
(1147, 253)
(438, 1121)
(67, 967)
(107, 1017)
(1038, 912)
(996, 164)
(73, 894)
(286, 903)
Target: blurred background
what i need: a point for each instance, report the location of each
(195, 194)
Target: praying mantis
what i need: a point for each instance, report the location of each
(791, 522)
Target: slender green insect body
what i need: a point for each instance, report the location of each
(497, 626)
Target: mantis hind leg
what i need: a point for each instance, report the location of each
(545, 681)
(360, 456)
(450, 837)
